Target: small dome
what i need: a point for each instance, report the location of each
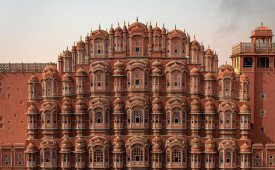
(118, 101)
(67, 53)
(262, 31)
(118, 139)
(244, 108)
(195, 102)
(157, 108)
(194, 71)
(209, 141)
(209, 106)
(156, 139)
(195, 44)
(157, 30)
(156, 64)
(208, 52)
(118, 72)
(80, 73)
(196, 147)
(195, 141)
(118, 108)
(66, 107)
(49, 70)
(118, 64)
(226, 70)
(65, 144)
(118, 147)
(156, 71)
(33, 79)
(156, 147)
(156, 101)
(245, 148)
(79, 140)
(209, 76)
(31, 146)
(80, 102)
(111, 30)
(118, 29)
(66, 76)
(32, 109)
(80, 44)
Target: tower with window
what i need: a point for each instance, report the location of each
(157, 116)
(99, 116)
(67, 61)
(176, 153)
(210, 151)
(194, 82)
(244, 88)
(32, 127)
(33, 88)
(176, 116)
(245, 122)
(48, 154)
(118, 152)
(66, 157)
(118, 78)
(79, 153)
(156, 153)
(175, 78)
(227, 119)
(31, 156)
(80, 52)
(156, 78)
(80, 83)
(99, 78)
(118, 113)
(209, 118)
(209, 80)
(67, 86)
(227, 154)
(66, 119)
(195, 118)
(49, 83)
(195, 153)
(245, 153)
(80, 114)
(49, 120)
(137, 152)
(137, 109)
(99, 152)
(226, 82)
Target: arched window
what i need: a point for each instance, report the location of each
(99, 77)
(137, 46)
(49, 115)
(156, 43)
(176, 148)
(176, 117)
(137, 116)
(175, 76)
(99, 152)
(227, 154)
(48, 154)
(247, 62)
(137, 151)
(98, 117)
(99, 49)
(227, 112)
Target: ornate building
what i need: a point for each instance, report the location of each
(135, 97)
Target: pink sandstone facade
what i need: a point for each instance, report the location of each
(135, 97)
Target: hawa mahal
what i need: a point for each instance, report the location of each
(139, 97)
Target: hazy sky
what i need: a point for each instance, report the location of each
(38, 30)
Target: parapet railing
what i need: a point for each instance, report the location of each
(253, 48)
(23, 67)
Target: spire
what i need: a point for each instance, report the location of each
(118, 23)
(150, 22)
(74, 43)
(226, 62)
(112, 25)
(124, 22)
(128, 24)
(262, 23)
(80, 37)
(137, 19)
(209, 46)
(99, 26)
(163, 25)
(184, 30)
(67, 48)
(194, 36)
(146, 23)
(156, 24)
(91, 30)
(175, 26)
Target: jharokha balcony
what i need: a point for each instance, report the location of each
(253, 48)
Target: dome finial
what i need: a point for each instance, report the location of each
(146, 23)
(225, 61)
(99, 26)
(156, 24)
(124, 22)
(150, 22)
(118, 24)
(184, 30)
(74, 43)
(262, 23)
(137, 19)
(175, 26)
(163, 25)
(80, 37)
(209, 46)
(91, 30)
(128, 24)
(67, 48)
(194, 36)
(111, 25)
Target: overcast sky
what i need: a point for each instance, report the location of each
(38, 30)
